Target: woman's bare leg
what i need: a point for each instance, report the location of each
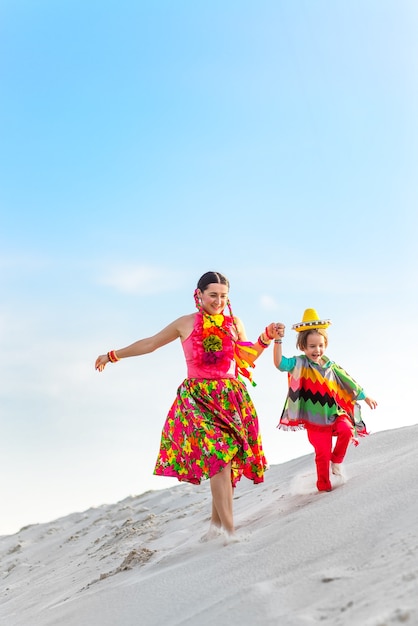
(222, 498)
(215, 519)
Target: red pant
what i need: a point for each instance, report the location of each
(321, 439)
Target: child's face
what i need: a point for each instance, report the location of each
(315, 347)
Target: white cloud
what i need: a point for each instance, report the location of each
(140, 279)
(268, 303)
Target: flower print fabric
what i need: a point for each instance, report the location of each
(212, 420)
(211, 423)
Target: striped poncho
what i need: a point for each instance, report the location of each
(318, 394)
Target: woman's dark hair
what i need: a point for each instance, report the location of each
(211, 277)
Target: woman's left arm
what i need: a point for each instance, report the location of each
(272, 331)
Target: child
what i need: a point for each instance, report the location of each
(322, 397)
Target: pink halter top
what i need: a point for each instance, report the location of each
(196, 370)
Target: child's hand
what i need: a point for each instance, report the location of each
(279, 328)
(372, 403)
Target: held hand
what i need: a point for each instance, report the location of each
(279, 329)
(101, 362)
(270, 332)
(372, 403)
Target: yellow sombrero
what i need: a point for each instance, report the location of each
(310, 321)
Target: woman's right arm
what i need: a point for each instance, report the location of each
(173, 331)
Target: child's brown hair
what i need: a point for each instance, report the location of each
(302, 340)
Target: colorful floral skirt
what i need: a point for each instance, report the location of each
(210, 424)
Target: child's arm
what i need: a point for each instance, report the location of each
(367, 399)
(372, 403)
(349, 383)
(278, 335)
(277, 352)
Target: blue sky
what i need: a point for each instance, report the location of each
(144, 143)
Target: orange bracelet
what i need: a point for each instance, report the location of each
(262, 343)
(112, 357)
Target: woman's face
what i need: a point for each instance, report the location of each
(214, 298)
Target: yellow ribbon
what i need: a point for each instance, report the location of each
(250, 353)
(248, 361)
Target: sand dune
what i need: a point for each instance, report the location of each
(349, 557)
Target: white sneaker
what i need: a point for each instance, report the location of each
(336, 469)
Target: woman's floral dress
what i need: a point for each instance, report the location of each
(212, 420)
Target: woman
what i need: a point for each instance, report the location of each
(211, 430)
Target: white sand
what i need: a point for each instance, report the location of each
(349, 557)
